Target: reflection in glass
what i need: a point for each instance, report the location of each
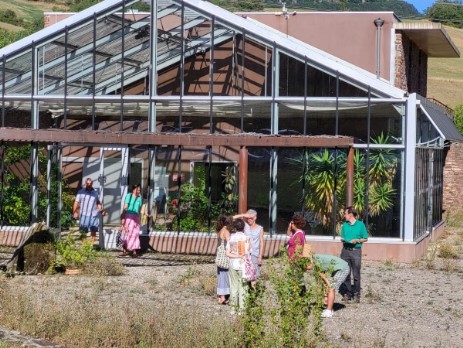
(259, 183)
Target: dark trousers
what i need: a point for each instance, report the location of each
(354, 258)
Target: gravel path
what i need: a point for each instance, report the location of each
(402, 305)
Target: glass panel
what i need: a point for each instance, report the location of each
(422, 199)
(258, 68)
(257, 117)
(17, 185)
(196, 117)
(292, 73)
(18, 75)
(384, 199)
(388, 119)
(227, 117)
(168, 117)
(259, 183)
(321, 117)
(291, 118)
(425, 131)
(348, 90)
(18, 114)
(290, 187)
(324, 178)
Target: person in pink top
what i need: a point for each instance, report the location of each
(296, 235)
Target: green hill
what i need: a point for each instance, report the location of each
(445, 75)
(401, 8)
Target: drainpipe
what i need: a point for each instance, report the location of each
(378, 23)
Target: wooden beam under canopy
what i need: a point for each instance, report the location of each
(85, 137)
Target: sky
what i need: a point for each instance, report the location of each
(421, 5)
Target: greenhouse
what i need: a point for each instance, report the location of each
(213, 112)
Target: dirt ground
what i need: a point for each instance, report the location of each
(402, 305)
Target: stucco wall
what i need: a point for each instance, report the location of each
(453, 178)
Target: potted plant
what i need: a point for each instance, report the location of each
(72, 255)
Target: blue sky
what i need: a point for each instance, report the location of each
(421, 5)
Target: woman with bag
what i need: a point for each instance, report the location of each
(238, 249)
(221, 260)
(131, 221)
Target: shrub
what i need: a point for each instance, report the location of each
(103, 264)
(287, 313)
(70, 254)
(447, 251)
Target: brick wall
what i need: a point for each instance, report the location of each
(411, 66)
(453, 178)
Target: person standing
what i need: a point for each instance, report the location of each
(353, 235)
(238, 247)
(296, 235)
(86, 207)
(131, 221)
(256, 233)
(223, 236)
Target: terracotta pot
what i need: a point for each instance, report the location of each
(72, 271)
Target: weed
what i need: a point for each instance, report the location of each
(430, 256)
(389, 264)
(191, 273)
(379, 341)
(208, 285)
(371, 295)
(416, 263)
(153, 283)
(447, 251)
(103, 265)
(84, 320)
(454, 218)
(293, 302)
(449, 265)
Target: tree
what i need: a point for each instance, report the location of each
(240, 5)
(458, 118)
(16, 189)
(449, 12)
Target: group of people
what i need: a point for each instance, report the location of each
(336, 272)
(87, 207)
(243, 238)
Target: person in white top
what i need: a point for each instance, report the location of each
(237, 248)
(256, 233)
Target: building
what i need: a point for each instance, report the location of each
(218, 91)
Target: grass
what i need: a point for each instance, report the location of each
(102, 318)
(30, 9)
(445, 75)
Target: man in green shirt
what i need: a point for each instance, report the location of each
(353, 235)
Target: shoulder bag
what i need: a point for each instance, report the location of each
(221, 260)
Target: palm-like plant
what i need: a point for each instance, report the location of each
(325, 174)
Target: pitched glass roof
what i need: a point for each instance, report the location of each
(91, 52)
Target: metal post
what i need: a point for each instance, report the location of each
(243, 181)
(350, 177)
